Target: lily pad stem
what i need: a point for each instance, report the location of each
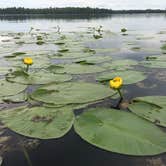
(27, 68)
(120, 93)
(27, 156)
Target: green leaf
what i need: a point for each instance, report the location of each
(129, 77)
(38, 122)
(152, 108)
(120, 132)
(71, 93)
(21, 97)
(120, 64)
(94, 59)
(8, 89)
(155, 62)
(80, 69)
(41, 77)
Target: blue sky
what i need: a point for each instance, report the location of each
(113, 4)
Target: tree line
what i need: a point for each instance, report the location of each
(72, 11)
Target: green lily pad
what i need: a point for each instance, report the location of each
(94, 59)
(70, 55)
(163, 47)
(9, 89)
(41, 77)
(120, 64)
(21, 97)
(129, 77)
(152, 108)
(71, 93)
(5, 70)
(38, 122)
(80, 69)
(38, 62)
(120, 132)
(154, 64)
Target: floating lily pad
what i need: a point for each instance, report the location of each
(9, 89)
(80, 69)
(38, 122)
(120, 64)
(70, 55)
(163, 47)
(38, 62)
(71, 93)
(120, 132)
(41, 77)
(5, 70)
(129, 77)
(21, 97)
(94, 59)
(152, 108)
(155, 61)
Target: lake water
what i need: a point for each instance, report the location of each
(150, 32)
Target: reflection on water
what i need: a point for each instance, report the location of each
(71, 149)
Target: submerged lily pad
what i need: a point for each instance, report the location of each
(80, 69)
(71, 93)
(9, 89)
(41, 77)
(38, 122)
(120, 132)
(129, 77)
(152, 108)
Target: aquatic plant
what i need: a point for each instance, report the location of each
(116, 84)
(27, 61)
(123, 30)
(68, 86)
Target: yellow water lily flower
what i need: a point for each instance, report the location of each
(28, 61)
(116, 83)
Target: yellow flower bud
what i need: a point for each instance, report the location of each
(116, 83)
(28, 61)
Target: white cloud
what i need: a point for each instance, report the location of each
(113, 4)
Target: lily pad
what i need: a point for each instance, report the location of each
(71, 93)
(80, 69)
(21, 97)
(120, 64)
(94, 59)
(70, 55)
(9, 89)
(129, 77)
(154, 64)
(38, 122)
(120, 132)
(41, 77)
(152, 108)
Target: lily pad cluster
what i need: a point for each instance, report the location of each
(55, 87)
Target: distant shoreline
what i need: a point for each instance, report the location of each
(72, 11)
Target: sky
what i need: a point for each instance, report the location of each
(111, 4)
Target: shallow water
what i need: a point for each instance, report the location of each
(144, 32)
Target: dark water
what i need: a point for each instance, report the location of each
(71, 149)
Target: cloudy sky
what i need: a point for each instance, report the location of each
(113, 4)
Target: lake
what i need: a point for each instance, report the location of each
(141, 45)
